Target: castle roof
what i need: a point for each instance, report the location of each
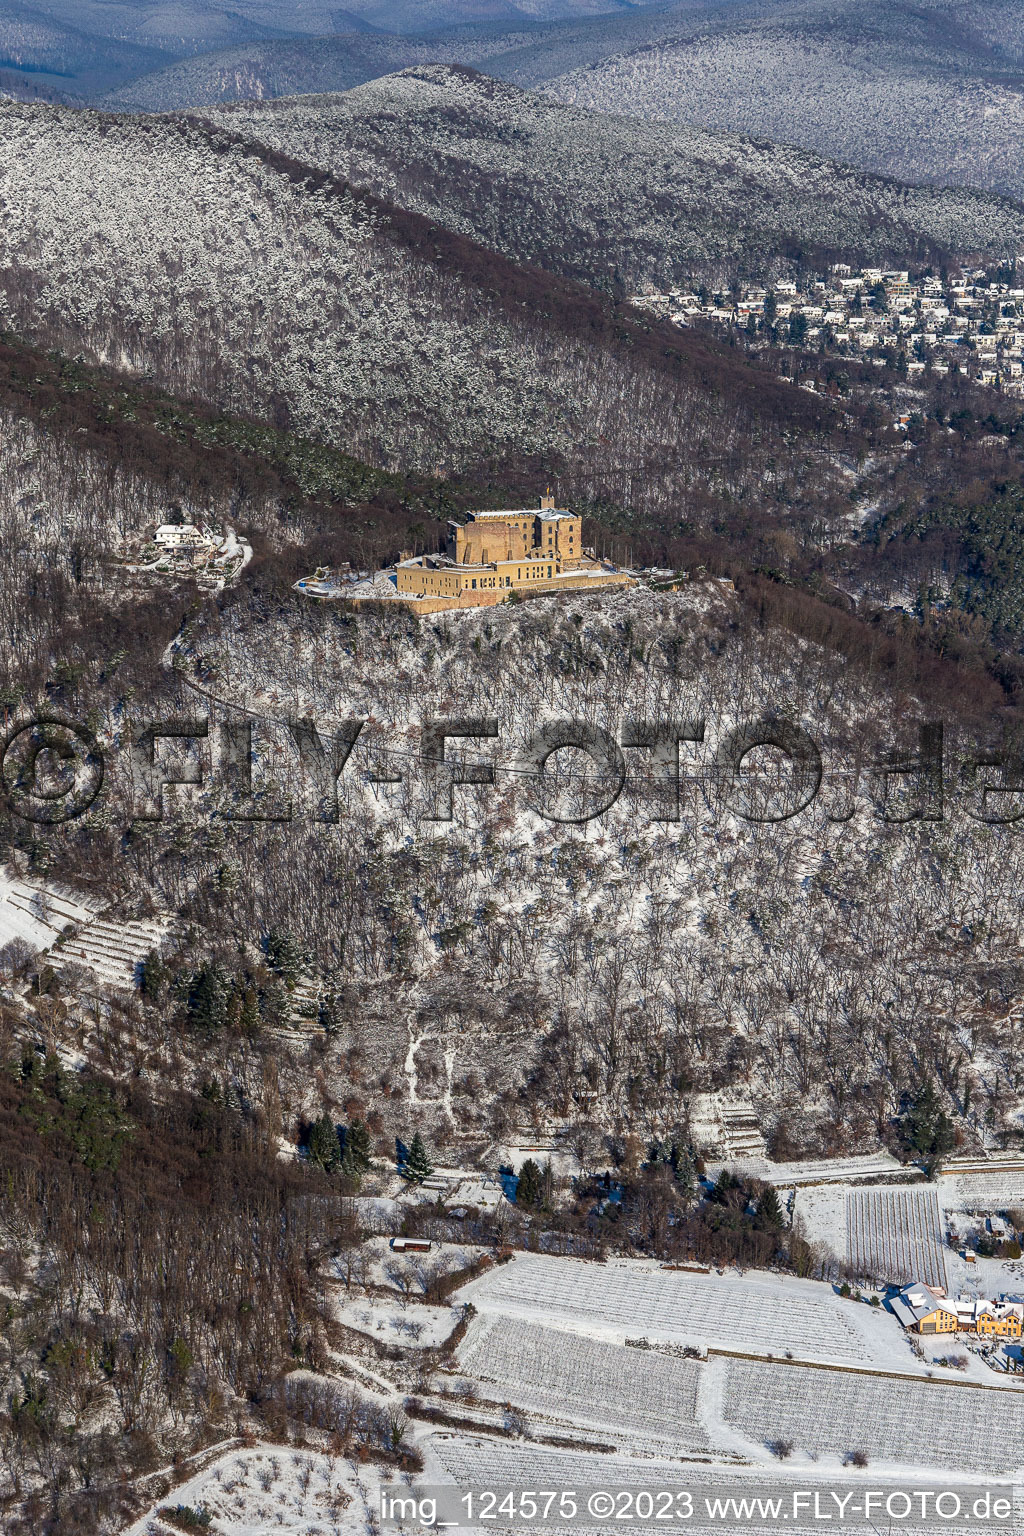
(503, 516)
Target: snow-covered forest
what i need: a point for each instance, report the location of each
(608, 199)
(817, 967)
(820, 965)
(925, 93)
(199, 259)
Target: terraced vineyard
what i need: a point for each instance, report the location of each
(67, 928)
(895, 1235)
(914, 1422)
(584, 1381)
(39, 914)
(111, 950)
(625, 1300)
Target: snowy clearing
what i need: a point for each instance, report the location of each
(833, 1413)
(896, 1235)
(476, 1462)
(275, 1490)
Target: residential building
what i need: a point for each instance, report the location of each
(926, 1309)
(178, 535)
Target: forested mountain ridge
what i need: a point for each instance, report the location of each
(42, 53)
(609, 200)
(301, 66)
(95, 47)
(230, 273)
(929, 92)
(237, 275)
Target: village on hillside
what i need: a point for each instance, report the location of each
(971, 321)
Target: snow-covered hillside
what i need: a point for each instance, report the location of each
(155, 245)
(923, 92)
(612, 969)
(230, 273)
(608, 198)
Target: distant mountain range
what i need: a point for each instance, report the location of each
(925, 90)
(920, 89)
(526, 51)
(299, 66)
(608, 200)
(46, 55)
(88, 47)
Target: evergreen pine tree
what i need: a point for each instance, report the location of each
(152, 975)
(768, 1208)
(207, 1000)
(417, 1165)
(530, 1188)
(357, 1145)
(723, 1187)
(927, 1128)
(685, 1173)
(330, 1013)
(249, 1019)
(324, 1147)
(284, 956)
(350, 1168)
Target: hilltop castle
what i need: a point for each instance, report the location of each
(493, 554)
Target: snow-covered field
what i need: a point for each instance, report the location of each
(833, 1413)
(66, 926)
(476, 1462)
(649, 1397)
(548, 1341)
(37, 913)
(757, 1313)
(816, 1171)
(275, 1491)
(985, 1190)
(821, 1214)
(410, 1325)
